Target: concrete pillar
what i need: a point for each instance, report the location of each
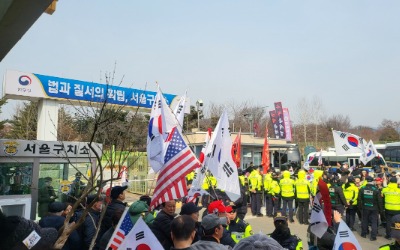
(47, 120)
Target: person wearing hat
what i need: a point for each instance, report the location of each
(241, 203)
(258, 242)
(394, 233)
(77, 187)
(117, 204)
(46, 196)
(220, 209)
(303, 192)
(370, 202)
(267, 183)
(192, 210)
(338, 199)
(87, 230)
(140, 209)
(255, 189)
(351, 194)
(283, 236)
(56, 220)
(213, 230)
(391, 201)
(161, 226)
(15, 232)
(274, 192)
(287, 194)
(238, 228)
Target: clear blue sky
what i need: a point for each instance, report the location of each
(346, 52)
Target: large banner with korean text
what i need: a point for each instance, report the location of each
(281, 122)
(288, 124)
(22, 85)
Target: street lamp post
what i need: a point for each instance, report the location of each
(199, 105)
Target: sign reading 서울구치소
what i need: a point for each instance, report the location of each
(21, 85)
(27, 148)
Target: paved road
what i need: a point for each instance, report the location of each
(265, 225)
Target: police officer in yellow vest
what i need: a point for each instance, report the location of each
(394, 233)
(255, 188)
(209, 184)
(350, 191)
(241, 203)
(267, 181)
(391, 201)
(238, 228)
(303, 191)
(287, 193)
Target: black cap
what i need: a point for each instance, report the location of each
(146, 199)
(393, 180)
(189, 208)
(56, 207)
(369, 179)
(350, 179)
(78, 174)
(93, 197)
(116, 191)
(48, 179)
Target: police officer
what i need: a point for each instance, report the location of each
(241, 203)
(351, 194)
(370, 202)
(303, 191)
(268, 195)
(274, 191)
(283, 236)
(394, 233)
(391, 200)
(238, 228)
(287, 193)
(255, 188)
(337, 196)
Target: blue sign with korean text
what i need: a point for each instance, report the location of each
(41, 86)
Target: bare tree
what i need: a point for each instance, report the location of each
(316, 112)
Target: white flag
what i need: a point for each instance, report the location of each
(320, 158)
(200, 174)
(161, 123)
(369, 153)
(345, 238)
(346, 143)
(318, 223)
(179, 112)
(219, 159)
(140, 237)
(306, 165)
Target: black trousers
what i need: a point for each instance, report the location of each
(302, 210)
(351, 216)
(287, 203)
(256, 201)
(269, 204)
(369, 216)
(389, 216)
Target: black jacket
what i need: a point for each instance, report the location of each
(57, 221)
(369, 197)
(112, 208)
(162, 229)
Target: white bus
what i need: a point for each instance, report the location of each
(331, 158)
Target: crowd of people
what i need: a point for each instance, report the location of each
(353, 193)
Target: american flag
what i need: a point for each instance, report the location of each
(124, 226)
(179, 161)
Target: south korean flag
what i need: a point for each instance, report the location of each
(345, 239)
(140, 237)
(346, 143)
(318, 223)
